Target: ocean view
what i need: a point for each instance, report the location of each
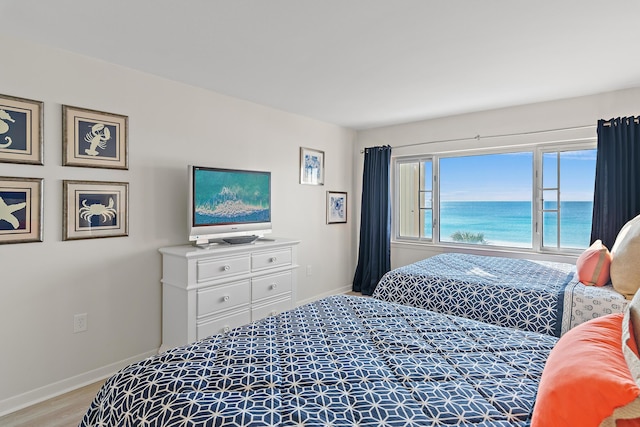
(510, 223)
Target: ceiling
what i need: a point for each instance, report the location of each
(355, 63)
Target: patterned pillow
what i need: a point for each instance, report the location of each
(593, 265)
(625, 268)
(587, 381)
(631, 329)
(627, 416)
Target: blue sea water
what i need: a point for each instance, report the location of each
(510, 223)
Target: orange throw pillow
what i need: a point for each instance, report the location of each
(586, 378)
(594, 264)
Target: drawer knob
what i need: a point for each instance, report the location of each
(274, 286)
(225, 298)
(274, 259)
(227, 267)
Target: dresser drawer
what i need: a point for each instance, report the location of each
(210, 269)
(224, 324)
(270, 286)
(218, 298)
(262, 311)
(264, 260)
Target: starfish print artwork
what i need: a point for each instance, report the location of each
(6, 212)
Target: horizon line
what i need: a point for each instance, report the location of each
(502, 201)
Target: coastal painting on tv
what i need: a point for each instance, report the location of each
(228, 197)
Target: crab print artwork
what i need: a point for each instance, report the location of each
(98, 210)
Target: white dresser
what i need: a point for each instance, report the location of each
(212, 290)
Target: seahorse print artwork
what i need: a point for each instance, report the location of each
(6, 212)
(4, 127)
(98, 137)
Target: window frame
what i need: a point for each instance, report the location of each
(396, 196)
(537, 150)
(538, 201)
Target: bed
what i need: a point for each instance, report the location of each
(340, 361)
(537, 296)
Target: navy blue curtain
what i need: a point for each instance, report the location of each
(374, 254)
(616, 197)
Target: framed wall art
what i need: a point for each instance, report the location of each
(20, 210)
(94, 139)
(21, 137)
(336, 207)
(95, 209)
(311, 166)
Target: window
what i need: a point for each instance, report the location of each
(567, 198)
(536, 199)
(416, 198)
(487, 199)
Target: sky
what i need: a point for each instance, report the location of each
(501, 177)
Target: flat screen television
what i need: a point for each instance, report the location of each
(228, 205)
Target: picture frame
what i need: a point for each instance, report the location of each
(94, 139)
(20, 210)
(21, 135)
(311, 166)
(95, 209)
(336, 207)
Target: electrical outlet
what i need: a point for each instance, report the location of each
(79, 323)
(309, 271)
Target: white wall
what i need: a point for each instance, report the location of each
(117, 280)
(567, 113)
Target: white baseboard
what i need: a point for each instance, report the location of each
(15, 403)
(342, 290)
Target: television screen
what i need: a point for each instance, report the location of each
(228, 202)
(231, 196)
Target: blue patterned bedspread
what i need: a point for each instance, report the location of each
(516, 293)
(341, 361)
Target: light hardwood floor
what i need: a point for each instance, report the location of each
(65, 410)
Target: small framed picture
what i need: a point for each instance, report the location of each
(21, 137)
(20, 210)
(336, 207)
(94, 139)
(311, 166)
(95, 209)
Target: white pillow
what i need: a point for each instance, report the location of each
(625, 263)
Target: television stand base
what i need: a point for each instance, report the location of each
(240, 240)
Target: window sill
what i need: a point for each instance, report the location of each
(435, 248)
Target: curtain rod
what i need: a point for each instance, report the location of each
(636, 120)
(478, 137)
